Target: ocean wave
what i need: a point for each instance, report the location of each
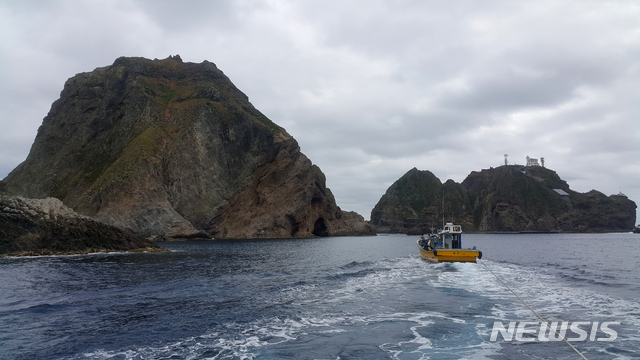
(248, 340)
(334, 315)
(401, 307)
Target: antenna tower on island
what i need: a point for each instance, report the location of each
(542, 161)
(505, 160)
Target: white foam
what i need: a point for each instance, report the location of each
(243, 341)
(545, 293)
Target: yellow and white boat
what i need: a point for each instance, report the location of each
(446, 246)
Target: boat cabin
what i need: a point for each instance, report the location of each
(451, 236)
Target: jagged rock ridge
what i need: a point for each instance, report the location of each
(503, 199)
(174, 149)
(47, 227)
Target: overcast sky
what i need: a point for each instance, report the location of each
(370, 89)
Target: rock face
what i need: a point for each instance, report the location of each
(173, 149)
(503, 199)
(414, 203)
(46, 226)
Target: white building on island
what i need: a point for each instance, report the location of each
(532, 162)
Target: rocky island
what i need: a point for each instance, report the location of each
(47, 227)
(173, 150)
(510, 198)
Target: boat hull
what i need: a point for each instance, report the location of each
(451, 255)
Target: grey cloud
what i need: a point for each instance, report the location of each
(184, 17)
(369, 89)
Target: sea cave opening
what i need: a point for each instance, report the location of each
(320, 228)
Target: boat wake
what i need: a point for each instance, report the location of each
(421, 310)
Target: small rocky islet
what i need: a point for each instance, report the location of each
(146, 150)
(47, 227)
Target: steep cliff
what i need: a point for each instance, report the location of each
(174, 149)
(516, 198)
(414, 204)
(507, 198)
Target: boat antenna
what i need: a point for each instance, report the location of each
(443, 208)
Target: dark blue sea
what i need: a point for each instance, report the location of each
(325, 298)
